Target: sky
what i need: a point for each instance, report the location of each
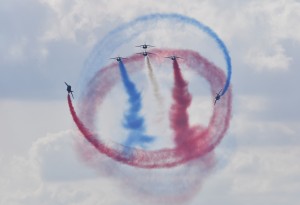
(46, 42)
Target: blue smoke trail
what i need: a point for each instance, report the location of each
(126, 32)
(133, 121)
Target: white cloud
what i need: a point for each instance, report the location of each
(264, 170)
(254, 31)
(257, 28)
(51, 173)
(57, 158)
(23, 122)
(41, 176)
(255, 175)
(277, 60)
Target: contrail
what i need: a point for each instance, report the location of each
(89, 136)
(133, 121)
(179, 116)
(154, 82)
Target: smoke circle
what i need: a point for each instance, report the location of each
(101, 79)
(201, 142)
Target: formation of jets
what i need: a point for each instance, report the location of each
(145, 53)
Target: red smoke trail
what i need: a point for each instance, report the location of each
(182, 99)
(89, 136)
(196, 142)
(140, 158)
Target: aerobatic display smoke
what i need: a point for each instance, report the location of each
(133, 121)
(193, 144)
(182, 99)
(154, 82)
(129, 31)
(200, 142)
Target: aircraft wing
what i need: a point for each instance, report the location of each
(144, 45)
(220, 91)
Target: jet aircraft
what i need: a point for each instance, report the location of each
(118, 58)
(145, 53)
(173, 57)
(218, 96)
(144, 46)
(69, 89)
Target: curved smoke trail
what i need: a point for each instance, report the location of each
(133, 121)
(201, 141)
(128, 31)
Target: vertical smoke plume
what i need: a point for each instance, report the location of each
(154, 82)
(132, 120)
(178, 113)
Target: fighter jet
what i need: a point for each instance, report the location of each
(118, 58)
(144, 46)
(69, 89)
(173, 57)
(145, 53)
(218, 97)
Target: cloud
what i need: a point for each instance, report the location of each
(51, 173)
(255, 124)
(266, 170)
(254, 31)
(274, 61)
(257, 175)
(57, 159)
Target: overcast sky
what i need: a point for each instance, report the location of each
(46, 42)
